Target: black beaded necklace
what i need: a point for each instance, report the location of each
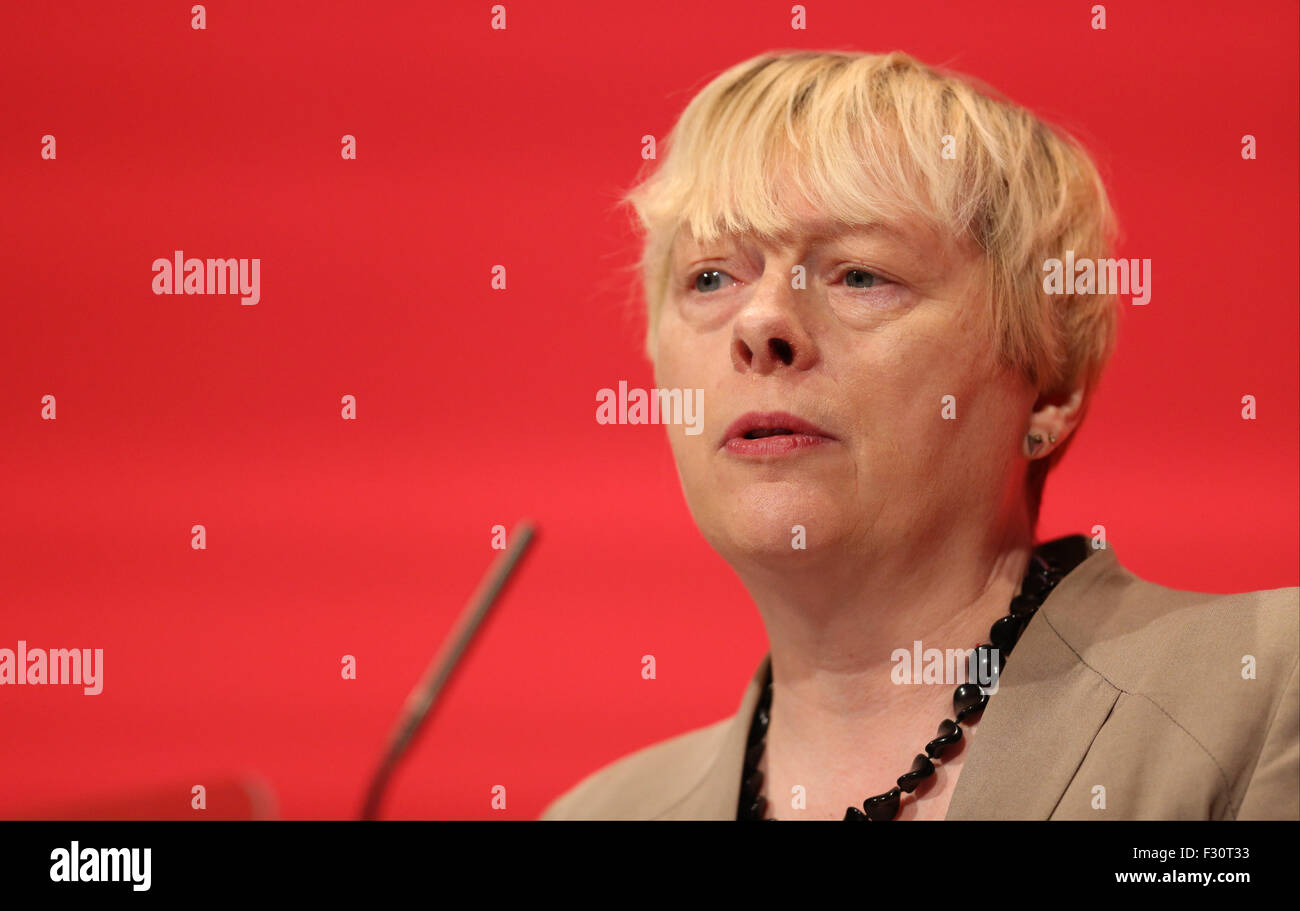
(1049, 564)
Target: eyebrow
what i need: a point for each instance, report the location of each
(825, 229)
(816, 232)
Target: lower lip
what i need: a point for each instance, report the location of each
(783, 444)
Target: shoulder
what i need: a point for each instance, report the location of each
(643, 784)
(1142, 635)
(1211, 675)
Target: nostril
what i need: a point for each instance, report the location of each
(781, 350)
(742, 354)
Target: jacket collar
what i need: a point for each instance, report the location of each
(1046, 696)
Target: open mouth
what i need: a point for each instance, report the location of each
(772, 433)
(758, 434)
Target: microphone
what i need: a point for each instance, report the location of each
(419, 704)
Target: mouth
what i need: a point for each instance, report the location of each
(772, 433)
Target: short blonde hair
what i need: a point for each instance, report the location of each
(865, 136)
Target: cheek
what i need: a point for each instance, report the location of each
(678, 366)
(687, 361)
(916, 402)
(680, 357)
(897, 386)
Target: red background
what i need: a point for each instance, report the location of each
(476, 407)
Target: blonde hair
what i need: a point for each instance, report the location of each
(864, 136)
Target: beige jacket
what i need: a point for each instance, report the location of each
(1116, 683)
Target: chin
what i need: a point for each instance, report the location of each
(756, 523)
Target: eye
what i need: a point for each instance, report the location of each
(709, 280)
(862, 279)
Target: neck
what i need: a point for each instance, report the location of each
(835, 625)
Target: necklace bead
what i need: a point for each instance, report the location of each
(1047, 566)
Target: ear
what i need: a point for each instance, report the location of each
(1053, 420)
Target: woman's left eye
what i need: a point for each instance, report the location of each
(861, 278)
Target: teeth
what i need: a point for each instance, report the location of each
(767, 432)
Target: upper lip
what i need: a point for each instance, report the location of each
(772, 420)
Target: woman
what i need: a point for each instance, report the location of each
(847, 252)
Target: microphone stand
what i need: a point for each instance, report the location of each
(419, 703)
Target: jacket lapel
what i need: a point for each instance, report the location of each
(1025, 749)
(717, 794)
(1041, 721)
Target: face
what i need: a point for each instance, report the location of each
(826, 401)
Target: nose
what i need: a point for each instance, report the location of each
(768, 333)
